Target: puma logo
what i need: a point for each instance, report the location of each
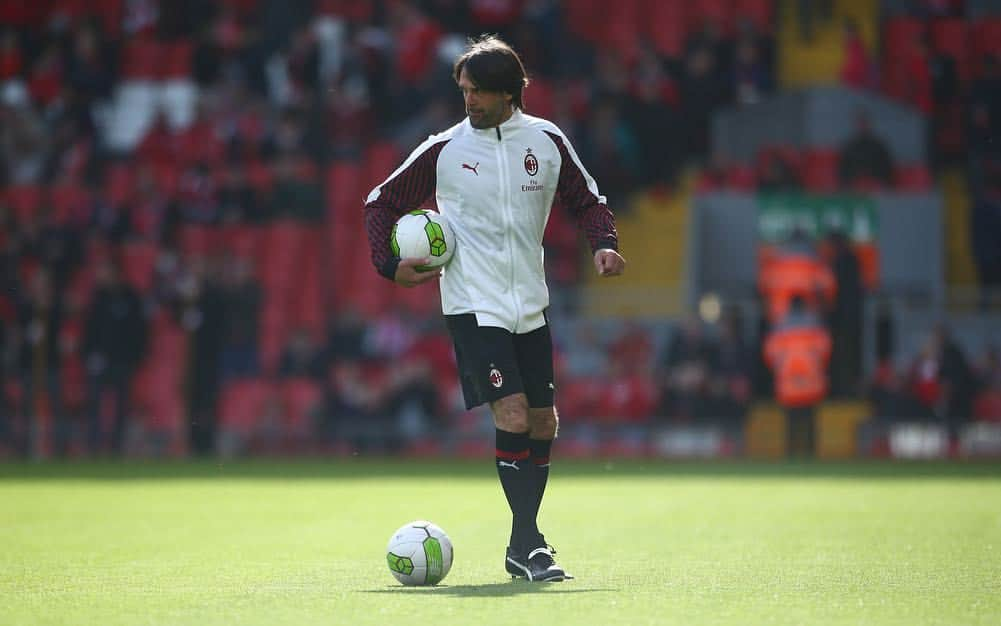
(512, 464)
(472, 168)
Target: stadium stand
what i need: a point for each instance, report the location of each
(220, 158)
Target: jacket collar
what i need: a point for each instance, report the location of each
(517, 119)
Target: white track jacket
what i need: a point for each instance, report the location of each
(496, 187)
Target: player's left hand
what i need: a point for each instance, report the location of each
(608, 262)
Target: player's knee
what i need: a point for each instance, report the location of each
(545, 423)
(511, 413)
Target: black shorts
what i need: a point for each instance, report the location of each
(494, 363)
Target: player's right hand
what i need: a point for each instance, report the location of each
(408, 275)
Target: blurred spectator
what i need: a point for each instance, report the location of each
(798, 350)
(652, 112)
(864, 157)
(115, 341)
(10, 438)
(857, 68)
(730, 377)
(892, 403)
(346, 337)
(586, 353)
(11, 58)
(353, 410)
(918, 80)
(777, 171)
(960, 381)
(241, 301)
(944, 77)
(87, 65)
(23, 145)
(793, 269)
(985, 235)
(294, 196)
(301, 358)
(685, 372)
(808, 13)
(40, 322)
(702, 90)
(752, 78)
(943, 381)
(612, 149)
(846, 316)
(239, 203)
(203, 316)
(983, 130)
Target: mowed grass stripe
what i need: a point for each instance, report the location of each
(302, 543)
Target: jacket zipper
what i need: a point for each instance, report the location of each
(509, 215)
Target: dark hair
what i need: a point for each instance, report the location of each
(492, 65)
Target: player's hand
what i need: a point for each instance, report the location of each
(608, 262)
(408, 275)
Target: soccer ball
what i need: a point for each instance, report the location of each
(419, 553)
(423, 234)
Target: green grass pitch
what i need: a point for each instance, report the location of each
(302, 542)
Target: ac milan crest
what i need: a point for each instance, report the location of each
(496, 378)
(531, 163)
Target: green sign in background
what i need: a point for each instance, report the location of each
(778, 214)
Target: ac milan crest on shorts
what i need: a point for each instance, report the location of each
(494, 363)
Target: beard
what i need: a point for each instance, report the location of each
(485, 118)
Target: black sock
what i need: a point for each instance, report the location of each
(540, 450)
(514, 468)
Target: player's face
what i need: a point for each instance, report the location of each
(485, 109)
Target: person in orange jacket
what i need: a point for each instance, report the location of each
(797, 351)
(794, 269)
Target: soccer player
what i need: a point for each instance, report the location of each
(495, 176)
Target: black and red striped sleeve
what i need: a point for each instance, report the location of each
(405, 189)
(579, 194)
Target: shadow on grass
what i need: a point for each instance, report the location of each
(490, 590)
(373, 468)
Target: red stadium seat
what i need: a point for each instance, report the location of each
(539, 98)
(760, 12)
(584, 18)
(914, 177)
(300, 397)
(718, 11)
(741, 177)
(241, 403)
(381, 159)
(175, 60)
(25, 201)
(986, 37)
(260, 176)
(820, 170)
(141, 58)
(621, 22)
(664, 25)
(241, 240)
(308, 301)
(119, 183)
(899, 34)
(139, 263)
(358, 11)
(987, 406)
(951, 37)
(198, 240)
(71, 203)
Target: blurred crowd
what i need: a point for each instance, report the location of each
(180, 208)
(180, 183)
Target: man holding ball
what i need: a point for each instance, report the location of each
(495, 176)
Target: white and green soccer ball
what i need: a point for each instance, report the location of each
(419, 553)
(423, 234)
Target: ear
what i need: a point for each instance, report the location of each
(508, 98)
